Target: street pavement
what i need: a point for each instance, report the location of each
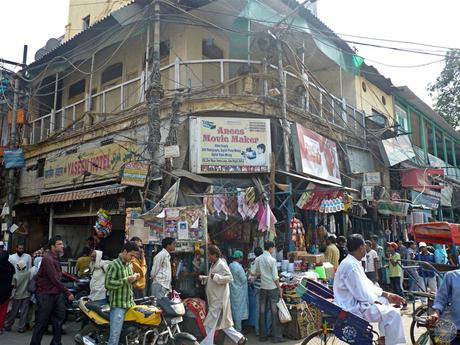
(14, 338)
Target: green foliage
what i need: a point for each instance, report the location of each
(446, 90)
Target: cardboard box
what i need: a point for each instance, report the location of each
(316, 259)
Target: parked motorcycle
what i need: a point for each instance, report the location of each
(145, 323)
(79, 287)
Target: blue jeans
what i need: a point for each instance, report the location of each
(268, 320)
(117, 317)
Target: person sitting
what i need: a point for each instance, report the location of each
(355, 293)
(82, 265)
(448, 294)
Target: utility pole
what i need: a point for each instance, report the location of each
(285, 123)
(13, 144)
(154, 93)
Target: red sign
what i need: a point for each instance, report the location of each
(421, 178)
(318, 155)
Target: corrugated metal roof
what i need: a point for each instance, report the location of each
(89, 193)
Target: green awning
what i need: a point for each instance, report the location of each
(259, 12)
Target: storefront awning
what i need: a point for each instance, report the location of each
(89, 193)
(317, 181)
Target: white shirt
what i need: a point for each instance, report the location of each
(265, 264)
(370, 257)
(15, 258)
(161, 269)
(353, 291)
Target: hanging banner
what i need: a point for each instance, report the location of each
(316, 155)
(97, 163)
(430, 201)
(396, 150)
(135, 174)
(229, 145)
(423, 178)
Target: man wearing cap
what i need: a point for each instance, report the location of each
(427, 276)
(238, 291)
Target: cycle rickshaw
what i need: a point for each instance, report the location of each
(337, 326)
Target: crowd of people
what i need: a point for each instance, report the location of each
(31, 286)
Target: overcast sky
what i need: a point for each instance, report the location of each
(422, 21)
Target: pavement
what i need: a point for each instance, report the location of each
(71, 328)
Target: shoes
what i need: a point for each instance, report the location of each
(22, 330)
(263, 339)
(279, 340)
(243, 341)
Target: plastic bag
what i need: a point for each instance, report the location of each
(283, 312)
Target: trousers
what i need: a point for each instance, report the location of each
(158, 291)
(51, 307)
(18, 305)
(268, 299)
(3, 310)
(117, 318)
(268, 320)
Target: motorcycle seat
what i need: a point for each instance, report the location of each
(103, 310)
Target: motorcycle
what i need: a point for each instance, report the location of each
(145, 323)
(79, 287)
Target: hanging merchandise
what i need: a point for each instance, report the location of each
(231, 204)
(298, 234)
(219, 204)
(332, 227)
(267, 219)
(331, 205)
(103, 224)
(209, 200)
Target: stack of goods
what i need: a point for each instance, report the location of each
(103, 224)
(298, 234)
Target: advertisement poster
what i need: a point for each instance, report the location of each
(317, 155)
(396, 150)
(230, 145)
(135, 174)
(92, 164)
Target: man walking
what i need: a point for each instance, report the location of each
(118, 281)
(372, 262)
(427, 275)
(50, 294)
(140, 267)
(161, 269)
(20, 255)
(332, 253)
(270, 292)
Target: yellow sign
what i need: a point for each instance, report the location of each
(98, 163)
(229, 145)
(135, 174)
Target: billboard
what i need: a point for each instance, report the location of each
(316, 155)
(92, 164)
(396, 150)
(229, 145)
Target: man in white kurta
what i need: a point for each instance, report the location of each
(355, 293)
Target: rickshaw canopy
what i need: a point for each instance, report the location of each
(437, 233)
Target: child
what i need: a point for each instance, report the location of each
(20, 297)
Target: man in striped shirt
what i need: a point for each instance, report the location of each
(161, 268)
(118, 282)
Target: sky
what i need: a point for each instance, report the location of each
(421, 21)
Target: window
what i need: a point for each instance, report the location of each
(41, 167)
(450, 155)
(86, 22)
(416, 133)
(429, 138)
(77, 88)
(439, 146)
(401, 118)
(112, 72)
(378, 118)
(210, 50)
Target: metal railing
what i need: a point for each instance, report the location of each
(220, 77)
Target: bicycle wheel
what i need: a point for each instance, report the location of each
(319, 338)
(415, 328)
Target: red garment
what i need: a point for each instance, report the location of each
(3, 310)
(198, 308)
(49, 276)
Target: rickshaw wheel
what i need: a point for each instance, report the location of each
(419, 312)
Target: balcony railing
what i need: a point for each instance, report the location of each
(219, 78)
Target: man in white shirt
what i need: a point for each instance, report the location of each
(355, 293)
(372, 263)
(161, 269)
(20, 255)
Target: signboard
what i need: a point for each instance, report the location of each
(424, 178)
(172, 151)
(135, 174)
(316, 155)
(372, 179)
(97, 163)
(430, 201)
(359, 160)
(396, 150)
(229, 145)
